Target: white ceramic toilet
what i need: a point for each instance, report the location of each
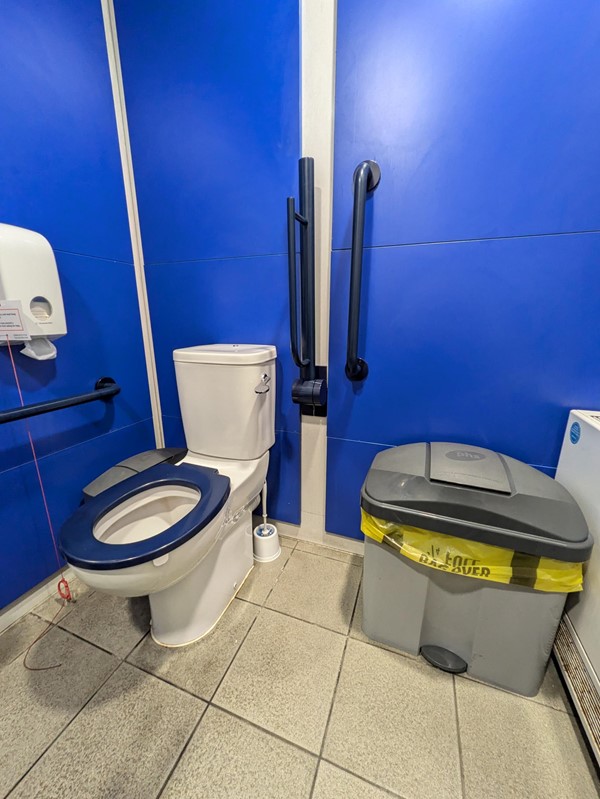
(182, 533)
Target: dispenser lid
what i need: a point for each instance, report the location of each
(226, 353)
(477, 494)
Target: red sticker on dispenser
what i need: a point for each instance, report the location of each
(12, 323)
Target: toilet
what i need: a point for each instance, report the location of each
(181, 533)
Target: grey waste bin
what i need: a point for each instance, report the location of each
(455, 611)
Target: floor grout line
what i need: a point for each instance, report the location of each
(210, 702)
(65, 728)
(360, 777)
(458, 739)
(326, 730)
(181, 754)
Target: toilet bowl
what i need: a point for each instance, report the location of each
(182, 533)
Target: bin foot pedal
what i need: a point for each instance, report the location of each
(443, 659)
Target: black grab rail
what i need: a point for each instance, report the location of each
(310, 390)
(366, 179)
(104, 389)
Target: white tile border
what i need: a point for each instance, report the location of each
(116, 79)
(29, 601)
(318, 35)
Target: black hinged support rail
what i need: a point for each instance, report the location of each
(104, 389)
(310, 390)
(366, 179)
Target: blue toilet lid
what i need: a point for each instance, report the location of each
(80, 548)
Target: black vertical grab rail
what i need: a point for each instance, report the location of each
(310, 391)
(366, 179)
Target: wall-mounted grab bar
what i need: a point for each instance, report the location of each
(366, 179)
(292, 217)
(104, 389)
(310, 391)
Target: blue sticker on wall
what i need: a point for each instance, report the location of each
(575, 432)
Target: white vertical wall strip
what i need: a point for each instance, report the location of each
(112, 46)
(318, 96)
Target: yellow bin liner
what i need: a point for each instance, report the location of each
(473, 559)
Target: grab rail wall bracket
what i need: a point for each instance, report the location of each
(366, 179)
(309, 391)
(104, 389)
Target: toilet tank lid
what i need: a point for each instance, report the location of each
(226, 354)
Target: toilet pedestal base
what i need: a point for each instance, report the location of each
(190, 609)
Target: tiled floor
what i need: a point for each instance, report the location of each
(285, 698)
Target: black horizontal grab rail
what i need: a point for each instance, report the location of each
(366, 179)
(104, 389)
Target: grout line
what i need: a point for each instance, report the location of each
(235, 654)
(264, 729)
(354, 607)
(42, 458)
(326, 730)
(473, 240)
(95, 257)
(217, 258)
(458, 739)
(181, 754)
(304, 621)
(329, 557)
(363, 779)
(91, 643)
(66, 726)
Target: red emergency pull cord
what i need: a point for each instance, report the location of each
(63, 586)
(63, 589)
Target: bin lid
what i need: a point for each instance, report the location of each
(477, 494)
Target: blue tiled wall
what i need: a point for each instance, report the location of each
(61, 176)
(480, 288)
(212, 96)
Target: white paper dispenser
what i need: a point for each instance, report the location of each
(28, 274)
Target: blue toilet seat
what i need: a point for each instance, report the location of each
(81, 548)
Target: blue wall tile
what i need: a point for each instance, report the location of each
(61, 176)
(27, 554)
(213, 103)
(212, 93)
(482, 116)
(235, 300)
(487, 343)
(59, 153)
(104, 339)
(347, 465)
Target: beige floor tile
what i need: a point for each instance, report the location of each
(551, 692)
(286, 540)
(513, 747)
(258, 584)
(394, 723)
(112, 622)
(318, 590)
(329, 552)
(55, 609)
(230, 759)
(283, 678)
(17, 638)
(123, 744)
(199, 667)
(333, 782)
(36, 705)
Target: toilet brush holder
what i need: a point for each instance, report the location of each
(266, 543)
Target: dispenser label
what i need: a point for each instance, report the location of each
(12, 322)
